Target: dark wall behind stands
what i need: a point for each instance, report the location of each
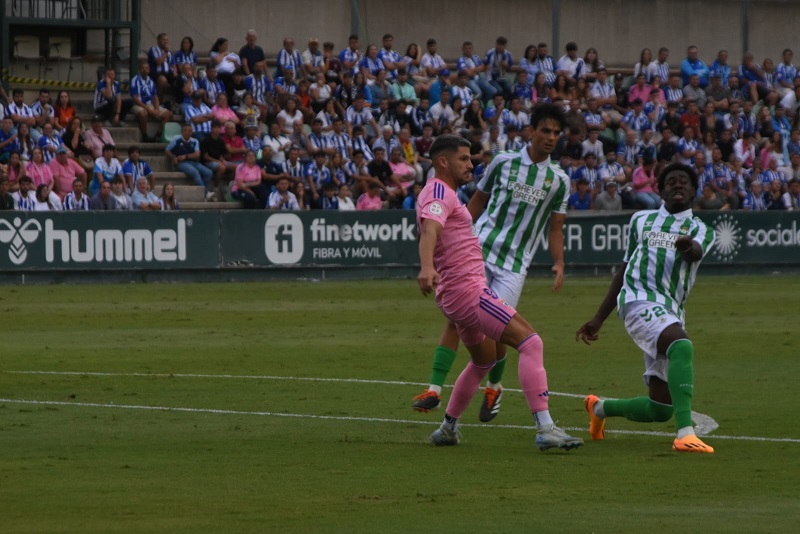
(249, 245)
(619, 29)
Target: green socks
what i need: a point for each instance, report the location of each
(640, 409)
(680, 378)
(496, 374)
(442, 362)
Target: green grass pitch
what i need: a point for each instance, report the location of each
(256, 449)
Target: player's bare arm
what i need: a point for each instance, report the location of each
(428, 278)
(477, 204)
(556, 241)
(590, 330)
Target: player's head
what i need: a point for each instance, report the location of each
(547, 120)
(678, 185)
(451, 158)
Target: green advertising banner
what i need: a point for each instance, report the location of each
(740, 238)
(108, 240)
(319, 238)
(236, 239)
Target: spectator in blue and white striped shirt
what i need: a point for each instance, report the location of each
(43, 109)
(162, 64)
(340, 140)
(462, 90)
(76, 200)
(289, 57)
(25, 197)
(211, 86)
(391, 59)
(186, 54)
(21, 113)
(660, 65)
(471, 65)
(49, 143)
(785, 73)
(260, 86)
(498, 62)
(351, 56)
(108, 101)
(199, 116)
(145, 102)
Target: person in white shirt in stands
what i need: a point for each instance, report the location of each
(313, 60)
(432, 63)
(441, 115)
(498, 63)
(281, 198)
(289, 57)
(570, 65)
(21, 113)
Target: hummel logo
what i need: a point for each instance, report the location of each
(17, 235)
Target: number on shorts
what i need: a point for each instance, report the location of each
(657, 311)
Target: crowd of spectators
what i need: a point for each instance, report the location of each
(351, 129)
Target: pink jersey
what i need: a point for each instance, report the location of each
(457, 256)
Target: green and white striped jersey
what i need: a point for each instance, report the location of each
(522, 196)
(655, 271)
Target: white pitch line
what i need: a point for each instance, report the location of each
(704, 424)
(352, 418)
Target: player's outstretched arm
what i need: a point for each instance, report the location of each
(428, 278)
(590, 330)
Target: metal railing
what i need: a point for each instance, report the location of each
(98, 10)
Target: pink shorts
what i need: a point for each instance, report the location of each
(478, 314)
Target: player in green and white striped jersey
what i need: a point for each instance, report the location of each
(518, 194)
(665, 247)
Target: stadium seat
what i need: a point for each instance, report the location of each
(171, 129)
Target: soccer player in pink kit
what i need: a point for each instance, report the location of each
(452, 266)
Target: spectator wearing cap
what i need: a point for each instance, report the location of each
(97, 137)
(498, 62)
(570, 65)
(146, 103)
(313, 59)
(402, 89)
(199, 116)
(432, 63)
(442, 83)
(608, 199)
(692, 66)
(65, 170)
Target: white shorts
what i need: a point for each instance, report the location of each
(507, 284)
(644, 322)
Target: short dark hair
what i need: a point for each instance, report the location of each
(117, 180)
(16, 92)
(662, 178)
(387, 36)
(572, 45)
(108, 146)
(430, 41)
(133, 148)
(447, 143)
(352, 36)
(548, 111)
(501, 40)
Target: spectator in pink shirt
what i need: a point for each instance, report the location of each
(639, 89)
(98, 137)
(65, 170)
(400, 168)
(371, 200)
(248, 186)
(645, 184)
(223, 112)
